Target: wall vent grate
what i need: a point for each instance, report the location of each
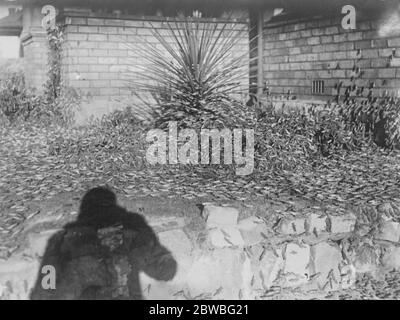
(318, 87)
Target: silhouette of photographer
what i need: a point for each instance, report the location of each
(100, 255)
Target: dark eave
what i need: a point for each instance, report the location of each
(11, 25)
(300, 7)
(322, 5)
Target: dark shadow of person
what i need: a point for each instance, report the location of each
(100, 255)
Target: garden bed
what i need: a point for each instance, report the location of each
(31, 173)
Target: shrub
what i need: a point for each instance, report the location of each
(21, 104)
(334, 133)
(118, 135)
(378, 118)
(195, 83)
(53, 85)
(16, 100)
(301, 138)
(284, 141)
(58, 111)
(55, 105)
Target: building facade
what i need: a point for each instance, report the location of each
(104, 42)
(299, 47)
(314, 57)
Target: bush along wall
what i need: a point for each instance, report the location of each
(54, 105)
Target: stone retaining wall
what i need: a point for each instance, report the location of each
(252, 258)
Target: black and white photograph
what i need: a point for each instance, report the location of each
(213, 151)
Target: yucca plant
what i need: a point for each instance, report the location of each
(193, 75)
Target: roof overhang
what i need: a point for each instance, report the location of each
(11, 25)
(13, 32)
(289, 4)
(299, 7)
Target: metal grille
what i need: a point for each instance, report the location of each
(318, 87)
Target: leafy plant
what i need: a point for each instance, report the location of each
(284, 141)
(378, 118)
(56, 104)
(193, 79)
(118, 135)
(289, 140)
(53, 84)
(16, 100)
(59, 111)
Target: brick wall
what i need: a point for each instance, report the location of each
(99, 51)
(297, 52)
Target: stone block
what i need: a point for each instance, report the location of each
(250, 223)
(17, 278)
(292, 226)
(391, 258)
(253, 230)
(266, 263)
(181, 248)
(342, 223)
(389, 231)
(217, 216)
(218, 273)
(226, 237)
(316, 224)
(325, 265)
(297, 258)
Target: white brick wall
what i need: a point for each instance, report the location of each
(99, 51)
(296, 53)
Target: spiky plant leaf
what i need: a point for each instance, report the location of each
(193, 76)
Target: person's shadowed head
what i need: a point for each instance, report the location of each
(105, 245)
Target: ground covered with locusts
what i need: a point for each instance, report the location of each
(38, 164)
